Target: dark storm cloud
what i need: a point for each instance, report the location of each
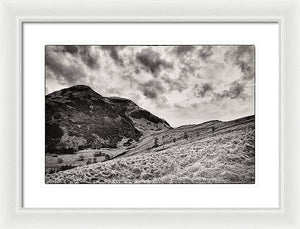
(202, 90)
(183, 49)
(243, 56)
(152, 61)
(85, 53)
(188, 69)
(114, 53)
(174, 84)
(152, 89)
(178, 106)
(82, 51)
(137, 70)
(66, 63)
(236, 91)
(57, 68)
(150, 93)
(205, 52)
(72, 49)
(130, 78)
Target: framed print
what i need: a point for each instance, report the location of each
(149, 119)
(145, 118)
(130, 144)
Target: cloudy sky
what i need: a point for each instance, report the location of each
(182, 84)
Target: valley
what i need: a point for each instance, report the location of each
(212, 152)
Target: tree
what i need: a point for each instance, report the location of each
(89, 161)
(174, 140)
(60, 160)
(185, 136)
(97, 154)
(95, 160)
(155, 142)
(80, 158)
(197, 134)
(73, 142)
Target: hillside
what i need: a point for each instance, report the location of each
(79, 118)
(212, 152)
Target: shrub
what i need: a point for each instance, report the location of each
(174, 140)
(155, 142)
(97, 154)
(60, 160)
(89, 161)
(52, 171)
(80, 158)
(66, 167)
(185, 136)
(128, 143)
(67, 151)
(95, 160)
(81, 147)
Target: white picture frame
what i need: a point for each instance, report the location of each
(265, 193)
(14, 14)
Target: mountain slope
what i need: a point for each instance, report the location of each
(223, 155)
(79, 118)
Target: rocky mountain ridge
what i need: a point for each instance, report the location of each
(80, 118)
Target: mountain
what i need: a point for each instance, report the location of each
(80, 118)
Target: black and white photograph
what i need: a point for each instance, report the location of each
(150, 114)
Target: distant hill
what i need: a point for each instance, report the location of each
(80, 118)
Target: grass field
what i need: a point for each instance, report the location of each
(56, 163)
(223, 156)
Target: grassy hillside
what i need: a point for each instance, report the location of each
(223, 155)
